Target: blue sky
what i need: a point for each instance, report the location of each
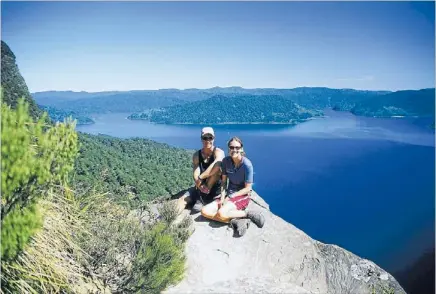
(99, 46)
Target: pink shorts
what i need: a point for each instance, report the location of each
(241, 202)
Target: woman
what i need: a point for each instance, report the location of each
(237, 169)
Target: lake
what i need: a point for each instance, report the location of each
(365, 184)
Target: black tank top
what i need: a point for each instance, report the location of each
(205, 165)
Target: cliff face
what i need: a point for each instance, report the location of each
(13, 85)
(278, 258)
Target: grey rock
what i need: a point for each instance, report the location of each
(278, 258)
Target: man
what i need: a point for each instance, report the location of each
(206, 164)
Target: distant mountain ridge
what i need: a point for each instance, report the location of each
(141, 100)
(401, 103)
(173, 105)
(105, 102)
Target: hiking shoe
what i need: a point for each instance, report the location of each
(197, 206)
(257, 218)
(240, 225)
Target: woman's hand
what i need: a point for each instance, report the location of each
(223, 197)
(225, 201)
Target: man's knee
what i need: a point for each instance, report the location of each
(185, 199)
(213, 179)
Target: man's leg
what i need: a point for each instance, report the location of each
(188, 198)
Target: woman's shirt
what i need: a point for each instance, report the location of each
(237, 176)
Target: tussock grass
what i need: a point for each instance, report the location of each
(52, 262)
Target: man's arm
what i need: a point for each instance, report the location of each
(210, 171)
(196, 169)
(247, 190)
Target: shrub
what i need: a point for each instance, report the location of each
(35, 156)
(158, 263)
(129, 254)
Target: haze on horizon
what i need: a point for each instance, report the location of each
(121, 46)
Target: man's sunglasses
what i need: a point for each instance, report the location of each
(234, 147)
(207, 138)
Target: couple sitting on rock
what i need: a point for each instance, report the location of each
(223, 185)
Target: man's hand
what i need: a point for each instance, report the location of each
(198, 183)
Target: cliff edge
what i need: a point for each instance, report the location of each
(278, 258)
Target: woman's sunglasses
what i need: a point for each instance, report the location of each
(234, 147)
(207, 138)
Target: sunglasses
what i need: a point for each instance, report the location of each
(207, 138)
(235, 147)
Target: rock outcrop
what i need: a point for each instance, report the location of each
(278, 258)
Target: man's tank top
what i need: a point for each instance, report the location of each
(204, 165)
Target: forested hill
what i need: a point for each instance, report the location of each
(13, 84)
(140, 167)
(235, 109)
(58, 115)
(401, 103)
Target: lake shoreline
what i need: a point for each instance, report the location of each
(231, 123)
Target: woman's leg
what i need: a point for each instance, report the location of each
(229, 211)
(235, 208)
(210, 210)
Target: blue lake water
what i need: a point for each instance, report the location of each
(365, 184)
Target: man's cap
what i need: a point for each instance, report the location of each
(207, 130)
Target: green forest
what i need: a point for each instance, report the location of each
(138, 167)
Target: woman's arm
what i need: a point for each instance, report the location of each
(223, 187)
(247, 190)
(248, 181)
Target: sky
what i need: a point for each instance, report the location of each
(105, 46)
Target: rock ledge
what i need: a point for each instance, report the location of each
(279, 258)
